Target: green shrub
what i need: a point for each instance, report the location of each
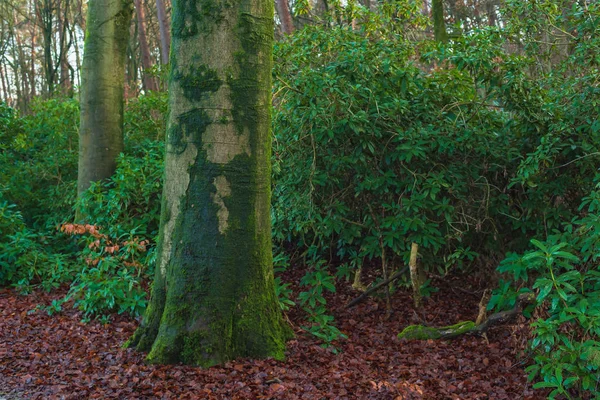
(370, 148)
(563, 271)
(24, 258)
(38, 165)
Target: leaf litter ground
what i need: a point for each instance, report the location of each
(58, 357)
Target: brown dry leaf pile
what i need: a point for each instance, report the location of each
(58, 357)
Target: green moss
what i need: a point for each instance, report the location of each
(420, 332)
(197, 82)
(195, 350)
(190, 127)
(192, 17)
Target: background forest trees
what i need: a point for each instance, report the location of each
(482, 148)
(41, 41)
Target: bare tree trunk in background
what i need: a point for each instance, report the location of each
(15, 66)
(45, 19)
(4, 91)
(149, 81)
(23, 98)
(425, 8)
(283, 10)
(439, 24)
(491, 13)
(33, 33)
(131, 68)
(165, 35)
(63, 28)
(9, 99)
(101, 97)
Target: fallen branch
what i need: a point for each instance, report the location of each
(376, 287)
(420, 332)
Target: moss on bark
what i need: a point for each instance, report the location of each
(420, 332)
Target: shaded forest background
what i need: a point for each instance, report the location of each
(474, 136)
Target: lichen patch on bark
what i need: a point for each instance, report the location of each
(223, 190)
(174, 189)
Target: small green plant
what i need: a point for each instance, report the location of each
(282, 290)
(313, 302)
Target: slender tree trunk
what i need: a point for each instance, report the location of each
(23, 99)
(439, 25)
(32, 70)
(491, 13)
(63, 63)
(101, 101)
(15, 69)
(149, 81)
(10, 100)
(165, 36)
(131, 68)
(75, 40)
(45, 17)
(4, 85)
(213, 297)
(283, 10)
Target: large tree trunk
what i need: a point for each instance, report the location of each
(101, 101)
(165, 36)
(149, 81)
(213, 297)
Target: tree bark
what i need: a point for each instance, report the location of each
(285, 17)
(4, 91)
(101, 99)
(66, 84)
(23, 99)
(439, 25)
(149, 81)
(415, 276)
(165, 36)
(32, 69)
(44, 13)
(213, 297)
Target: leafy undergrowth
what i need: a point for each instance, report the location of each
(44, 357)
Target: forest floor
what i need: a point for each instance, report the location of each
(58, 357)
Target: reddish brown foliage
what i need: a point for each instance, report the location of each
(44, 357)
(105, 243)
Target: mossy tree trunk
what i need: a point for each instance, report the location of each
(101, 98)
(213, 297)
